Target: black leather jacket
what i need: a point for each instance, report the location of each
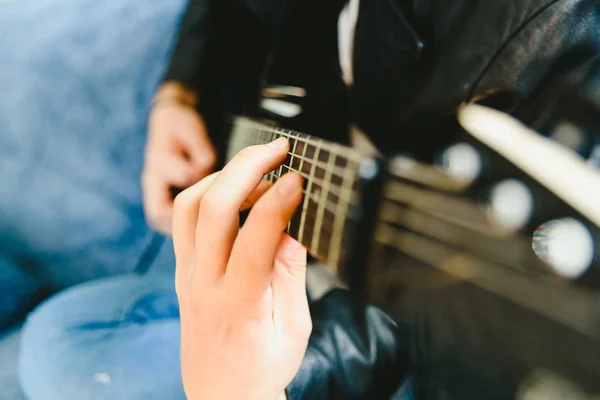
(415, 62)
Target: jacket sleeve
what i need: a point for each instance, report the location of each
(355, 352)
(190, 60)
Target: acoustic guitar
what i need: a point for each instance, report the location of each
(490, 271)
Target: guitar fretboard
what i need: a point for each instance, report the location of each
(330, 188)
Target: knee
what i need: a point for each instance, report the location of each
(46, 358)
(77, 345)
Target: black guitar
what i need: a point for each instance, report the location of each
(493, 275)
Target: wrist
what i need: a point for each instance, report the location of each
(174, 92)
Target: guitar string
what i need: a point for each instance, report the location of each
(291, 161)
(339, 223)
(327, 186)
(348, 152)
(321, 208)
(338, 171)
(331, 207)
(316, 197)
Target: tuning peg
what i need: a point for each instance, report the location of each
(510, 205)
(560, 171)
(462, 162)
(567, 245)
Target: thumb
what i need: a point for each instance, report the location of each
(290, 303)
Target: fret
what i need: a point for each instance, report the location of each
(336, 170)
(328, 188)
(263, 139)
(292, 154)
(347, 153)
(333, 195)
(340, 216)
(330, 205)
(297, 164)
(321, 205)
(271, 138)
(306, 201)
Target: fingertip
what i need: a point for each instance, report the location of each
(280, 144)
(290, 184)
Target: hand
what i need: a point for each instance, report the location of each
(245, 321)
(178, 153)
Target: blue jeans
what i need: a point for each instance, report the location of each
(115, 338)
(76, 89)
(111, 339)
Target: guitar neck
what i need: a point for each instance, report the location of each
(326, 221)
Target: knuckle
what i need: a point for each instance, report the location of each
(248, 152)
(183, 201)
(182, 178)
(212, 205)
(209, 159)
(153, 213)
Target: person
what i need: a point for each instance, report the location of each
(408, 65)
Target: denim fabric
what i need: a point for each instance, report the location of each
(9, 348)
(115, 338)
(18, 289)
(76, 79)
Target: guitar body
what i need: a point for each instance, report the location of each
(482, 309)
(491, 313)
(485, 311)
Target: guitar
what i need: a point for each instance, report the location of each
(474, 258)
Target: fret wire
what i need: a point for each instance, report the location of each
(306, 198)
(325, 229)
(261, 135)
(340, 217)
(320, 209)
(273, 172)
(317, 181)
(338, 172)
(291, 163)
(331, 147)
(328, 204)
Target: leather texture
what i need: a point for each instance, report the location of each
(355, 352)
(470, 48)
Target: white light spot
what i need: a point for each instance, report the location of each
(567, 245)
(402, 163)
(368, 168)
(103, 378)
(568, 135)
(511, 204)
(462, 162)
(280, 107)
